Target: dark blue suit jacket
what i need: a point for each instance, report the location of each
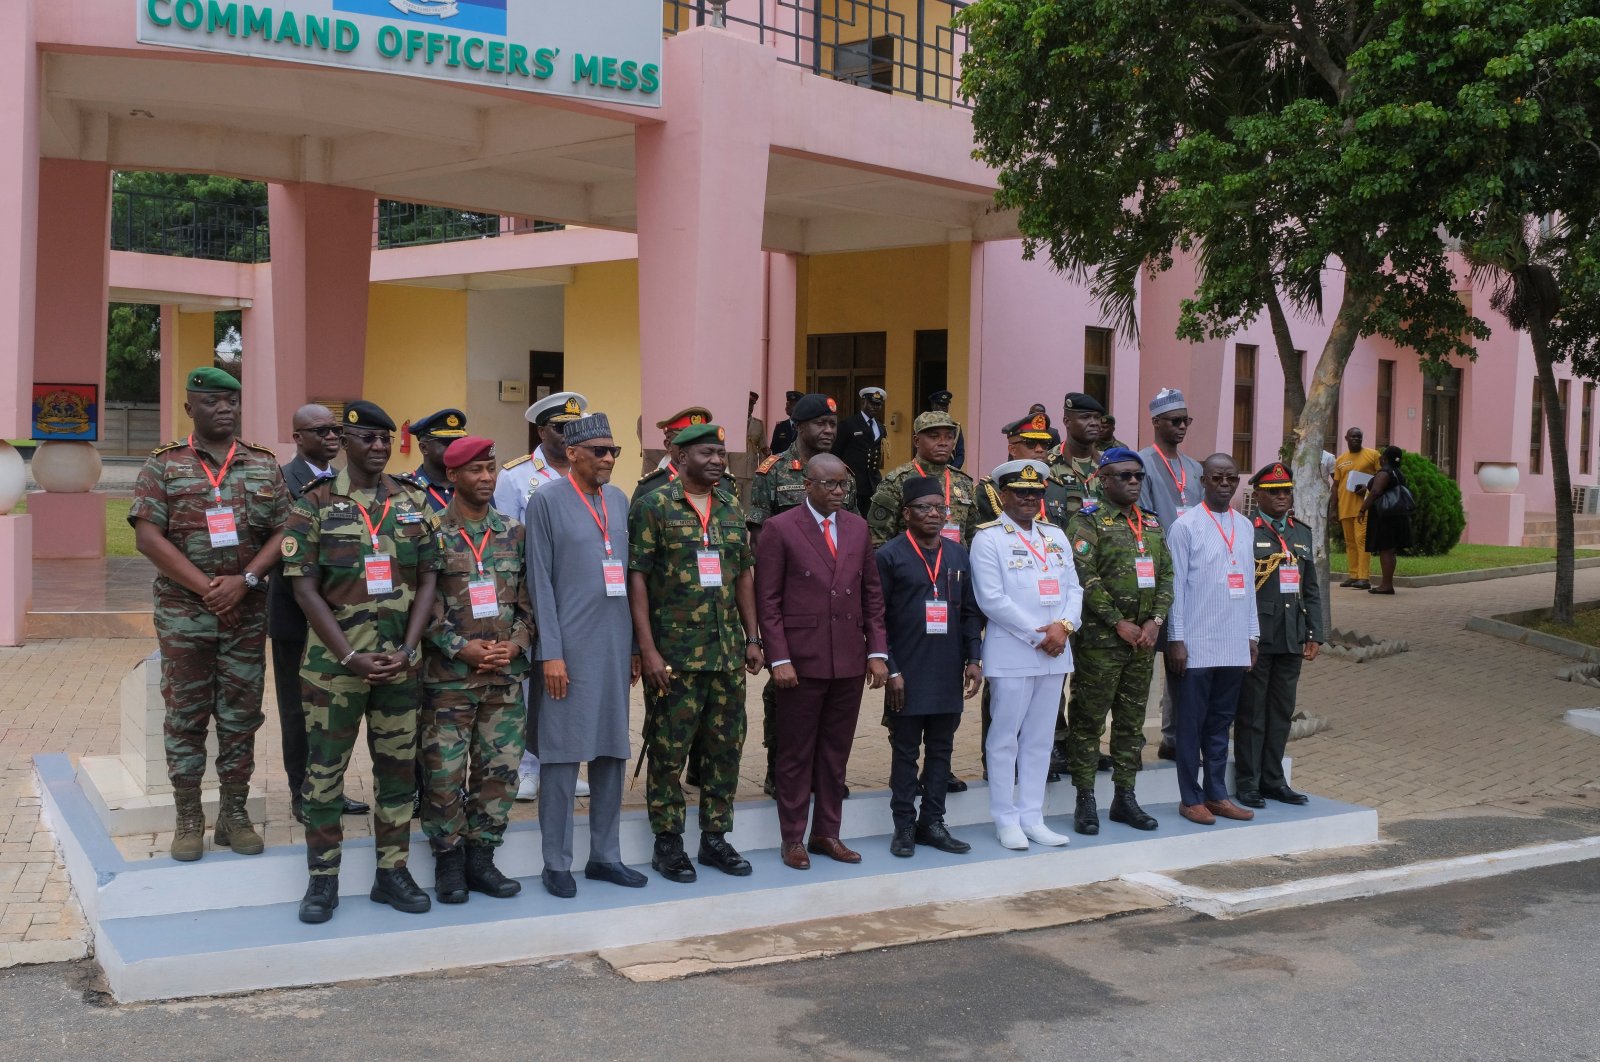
(931, 664)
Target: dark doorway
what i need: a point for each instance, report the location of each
(1441, 420)
(545, 372)
(932, 366)
(841, 364)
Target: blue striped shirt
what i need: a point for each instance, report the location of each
(1215, 627)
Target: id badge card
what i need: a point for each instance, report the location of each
(1144, 570)
(938, 616)
(710, 567)
(223, 527)
(380, 573)
(1235, 584)
(1289, 578)
(1182, 509)
(615, 574)
(481, 595)
(1049, 591)
(951, 531)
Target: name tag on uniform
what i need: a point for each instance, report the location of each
(1289, 578)
(1144, 570)
(223, 527)
(615, 574)
(481, 595)
(951, 531)
(1235, 584)
(938, 616)
(379, 570)
(1049, 591)
(710, 567)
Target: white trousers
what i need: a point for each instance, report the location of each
(1021, 728)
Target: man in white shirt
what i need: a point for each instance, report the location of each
(1211, 642)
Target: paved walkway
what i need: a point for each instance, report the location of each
(1462, 719)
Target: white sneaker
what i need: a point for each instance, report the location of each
(1013, 837)
(527, 785)
(582, 787)
(1042, 834)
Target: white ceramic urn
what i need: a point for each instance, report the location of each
(13, 477)
(1498, 477)
(66, 467)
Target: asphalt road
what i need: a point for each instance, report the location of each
(1500, 969)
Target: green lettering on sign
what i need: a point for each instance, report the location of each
(586, 69)
(223, 18)
(257, 22)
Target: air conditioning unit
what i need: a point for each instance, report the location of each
(1586, 500)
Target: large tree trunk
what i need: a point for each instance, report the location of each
(1310, 485)
(1294, 386)
(1555, 418)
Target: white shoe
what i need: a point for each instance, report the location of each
(582, 787)
(527, 786)
(1042, 834)
(1013, 837)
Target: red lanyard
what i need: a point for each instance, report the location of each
(1136, 525)
(216, 481)
(477, 551)
(1043, 559)
(705, 517)
(938, 562)
(1178, 481)
(920, 472)
(605, 524)
(1227, 539)
(1281, 540)
(372, 528)
(672, 471)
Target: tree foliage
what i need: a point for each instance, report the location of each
(133, 353)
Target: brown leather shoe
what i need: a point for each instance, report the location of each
(1197, 814)
(833, 848)
(794, 856)
(1227, 809)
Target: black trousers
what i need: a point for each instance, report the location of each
(909, 735)
(1261, 727)
(286, 655)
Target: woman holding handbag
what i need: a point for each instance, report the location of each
(1388, 508)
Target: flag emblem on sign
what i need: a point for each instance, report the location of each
(475, 16)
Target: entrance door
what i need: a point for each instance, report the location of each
(545, 371)
(843, 363)
(1441, 421)
(932, 366)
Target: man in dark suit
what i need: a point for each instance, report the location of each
(317, 443)
(784, 435)
(860, 444)
(821, 613)
(935, 641)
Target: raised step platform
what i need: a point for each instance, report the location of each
(227, 924)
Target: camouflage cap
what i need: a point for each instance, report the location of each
(931, 420)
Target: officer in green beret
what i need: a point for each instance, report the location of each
(207, 512)
(933, 443)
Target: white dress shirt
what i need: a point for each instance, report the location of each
(1215, 626)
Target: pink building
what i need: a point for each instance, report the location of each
(787, 202)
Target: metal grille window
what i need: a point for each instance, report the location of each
(1097, 364)
(1244, 406)
(1384, 433)
(1586, 440)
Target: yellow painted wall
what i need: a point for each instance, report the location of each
(416, 355)
(197, 348)
(601, 324)
(900, 292)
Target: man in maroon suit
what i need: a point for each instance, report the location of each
(821, 614)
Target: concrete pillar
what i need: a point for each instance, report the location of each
(782, 312)
(188, 342)
(701, 195)
(317, 344)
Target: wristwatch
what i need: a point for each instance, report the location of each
(1159, 621)
(252, 580)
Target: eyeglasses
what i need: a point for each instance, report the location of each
(331, 431)
(831, 485)
(612, 452)
(370, 438)
(925, 510)
(1126, 477)
(1178, 422)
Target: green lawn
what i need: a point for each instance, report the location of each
(1585, 627)
(119, 536)
(1463, 558)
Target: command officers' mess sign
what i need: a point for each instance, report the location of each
(594, 49)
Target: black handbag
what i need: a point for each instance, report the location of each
(1397, 500)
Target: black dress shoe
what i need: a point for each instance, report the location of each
(397, 889)
(670, 860)
(1284, 794)
(1053, 777)
(1126, 810)
(957, 785)
(1086, 816)
(937, 835)
(559, 883)
(322, 896)
(716, 852)
(1251, 799)
(354, 807)
(1166, 751)
(617, 874)
(904, 843)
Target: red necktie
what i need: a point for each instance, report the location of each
(827, 533)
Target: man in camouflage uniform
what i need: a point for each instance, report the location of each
(933, 441)
(1028, 438)
(207, 512)
(476, 657)
(1076, 459)
(779, 486)
(1126, 574)
(692, 593)
(363, 551)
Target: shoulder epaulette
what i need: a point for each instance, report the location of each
(406, 479)
(258, 448)
(170, 446)
(767, 465)
(1088, 507)
(515, 461)
(987, 523)
(1260, 522)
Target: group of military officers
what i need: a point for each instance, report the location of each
(422, 595)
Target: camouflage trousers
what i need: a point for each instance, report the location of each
(211, 672)
(335, 707)
(702, 712)
(1115, 680)
(472, 742)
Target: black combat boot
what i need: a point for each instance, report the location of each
(715, 851)
(483, 876)
(449, 875)
(1126, 810)
(399, 890)
(670, 860)
(1086, 817)
(322, 896)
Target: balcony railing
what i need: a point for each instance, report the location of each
(414, 224)
(906, 47)
(188, 228)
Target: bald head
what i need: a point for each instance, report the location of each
(827, 483)
(1219, 479)
(316, 434)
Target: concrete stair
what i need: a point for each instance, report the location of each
(1539, 530)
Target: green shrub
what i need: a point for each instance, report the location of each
(1439, 520)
